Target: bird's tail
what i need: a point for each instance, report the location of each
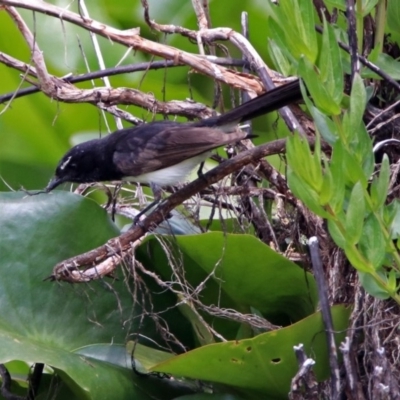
(270, 101)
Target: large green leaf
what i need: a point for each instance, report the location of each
(37, 232)
(245, 273)
(84, 376)
(45, 322)
(265, 364)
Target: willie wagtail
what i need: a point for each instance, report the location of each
(163, 153)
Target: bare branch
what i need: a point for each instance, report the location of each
(37, 56)
(144, 66)
(122, 242)
(131, 38)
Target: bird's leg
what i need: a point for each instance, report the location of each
(200, 170)
(157, 198)
(136, 219)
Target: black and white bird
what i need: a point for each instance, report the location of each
(163, 153)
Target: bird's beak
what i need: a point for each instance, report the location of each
(53, 184)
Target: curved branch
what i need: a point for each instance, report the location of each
(68, 270)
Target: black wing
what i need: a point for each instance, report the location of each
(161, 144)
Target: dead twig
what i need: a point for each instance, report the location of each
(326, 316)
(122, 69)
(304, 384)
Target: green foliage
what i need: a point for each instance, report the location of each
(264, 365)
(265, 280)
(393, 16)
(355, 215)
(298, 37)
(70, 330)
(48, 323)
(80, 333)
(385, 62)
(339, 192)
(330, 64)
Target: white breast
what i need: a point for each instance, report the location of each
(171, 175)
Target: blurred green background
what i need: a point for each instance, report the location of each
(36, 131)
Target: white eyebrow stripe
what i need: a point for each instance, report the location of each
(65, 163)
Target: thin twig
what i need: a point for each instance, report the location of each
(85, 14)
(37, 55)
(304, 384)
(367, 63)
(326, 316)
(352, 33)
(124, 69)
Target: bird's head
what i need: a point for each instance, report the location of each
(84, 163)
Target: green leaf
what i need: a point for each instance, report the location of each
(267, 281)
(336, 233)
(330, 65)
(356, 259)
(392, 218)
(146, 356)
(50, 321)
(326, 127)
(339, 4)
(317, 89)
(265, 364)
(327, 190)
(133, 353)
(393, 15)
(114, 354)
(373, 243)
(281, 62)
(392, 282)
(367, 6)
(380, 185)
(358, 102)
(299, 37)
(373, 55)
(200, 327)
(353, 170)
(388, 64)
(279, 36)
(365, 150)
(306, 166)
(84, 377)
(307, 195)
(336, 168)
(303, 12)
(372, 287)
(355, 215)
